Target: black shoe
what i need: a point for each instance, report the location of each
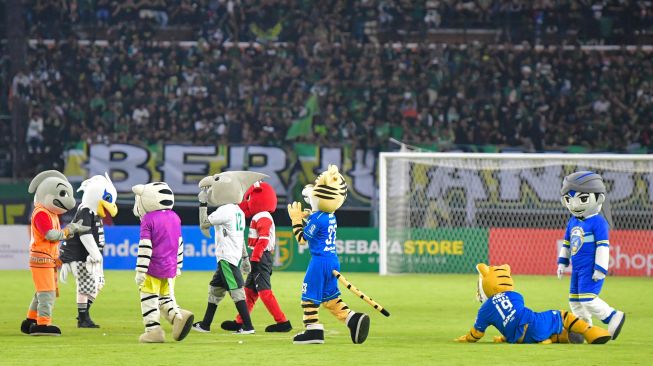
(86, 323)
(24, 326)
(309, 336)
(231, 325)
(359, 327)
(44, 330)
(279, 327)
(576, 338)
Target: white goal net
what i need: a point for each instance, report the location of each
(445, 212)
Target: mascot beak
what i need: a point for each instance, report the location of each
(104, 207)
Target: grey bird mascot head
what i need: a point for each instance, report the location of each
(53, 191)
(584, 195)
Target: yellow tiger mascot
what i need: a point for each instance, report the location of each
(320, 287)
(504, 309)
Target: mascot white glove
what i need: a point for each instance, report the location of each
(598, 275)
(63, 272)
(140, 278)
(561, 270)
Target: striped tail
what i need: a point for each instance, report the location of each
(360, 294)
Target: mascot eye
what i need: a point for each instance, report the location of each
(584, 199)
(107, 197)
(63, 194)
(248, 197)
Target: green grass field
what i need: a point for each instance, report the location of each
(428, 311)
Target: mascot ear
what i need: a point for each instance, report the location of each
(257, 187)
(138, 189)
(600, 199)
(482, 269)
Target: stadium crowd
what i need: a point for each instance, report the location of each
(247, 20)
(498, 97)
(133, 91)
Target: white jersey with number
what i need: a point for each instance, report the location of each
(229, 224)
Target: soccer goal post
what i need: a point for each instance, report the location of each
(445, 212)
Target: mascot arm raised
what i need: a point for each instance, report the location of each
(205, 224)
(297, 216)
(472, 336)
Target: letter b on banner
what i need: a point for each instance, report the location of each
(128, 160)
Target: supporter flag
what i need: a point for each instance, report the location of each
(304, 125)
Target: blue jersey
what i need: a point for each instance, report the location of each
(506, 312)
(582, 237)
(320, 232)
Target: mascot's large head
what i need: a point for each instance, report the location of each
(493, 280)
(583, 193)
(260, 197)
(152, 197)
(53, 191)
(229, 187)
(329, 191)
(99, 195)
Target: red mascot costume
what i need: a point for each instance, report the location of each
(258, 203)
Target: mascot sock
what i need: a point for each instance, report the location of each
(150, 310)
(600, 309)
(311, 316)
(208, 315)
(250, 298)
(45, 306)
(32, 312)
(238, 296)
(241, 306)
(338, 308)
(167, 308)
(82, 306)
(591, 334)
(216, 294)
(579, 310)
(273, 306)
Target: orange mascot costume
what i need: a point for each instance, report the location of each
(53, 196)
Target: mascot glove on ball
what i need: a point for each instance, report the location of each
(598, 275)
(140, 278)
(561, 270)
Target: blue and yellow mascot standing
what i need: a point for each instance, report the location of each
(504, 308)
(320, 287)
(587, 247)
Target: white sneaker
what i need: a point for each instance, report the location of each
(198, 327)
(615, 324)
(243, 331)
